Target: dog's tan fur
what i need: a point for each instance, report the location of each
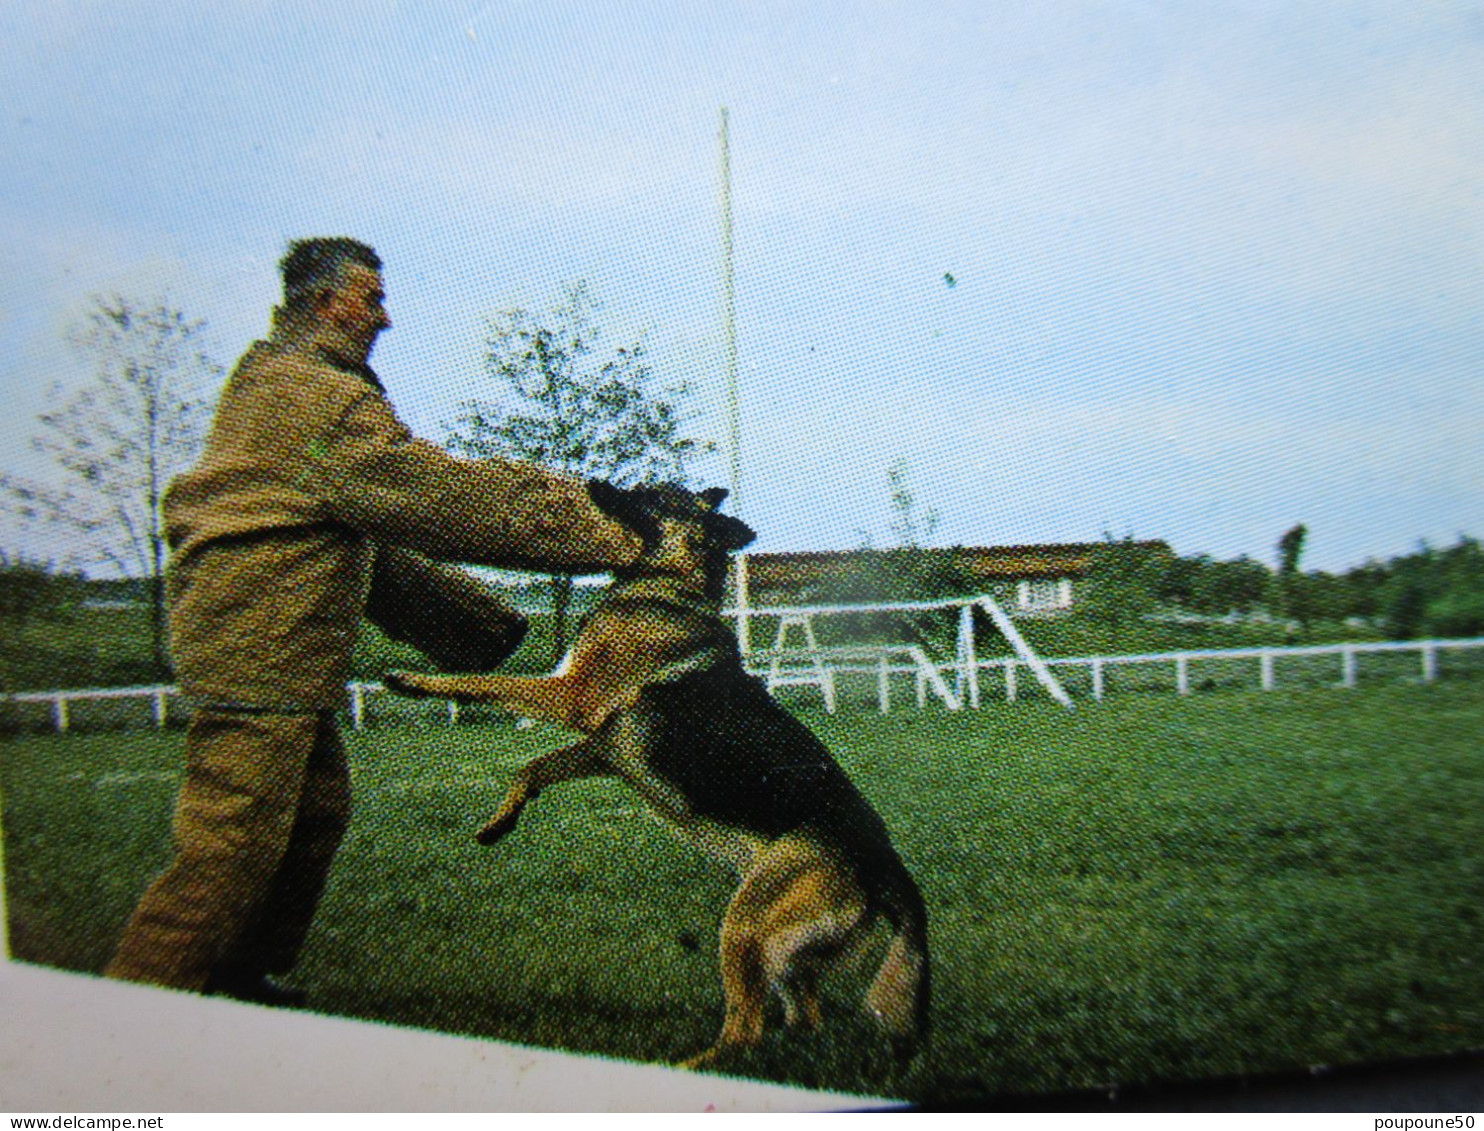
(807, 893)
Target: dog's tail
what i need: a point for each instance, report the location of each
(900, 994)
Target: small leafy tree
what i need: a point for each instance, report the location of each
(1365, 589)
(1432, 592)
(118, 441)
(563, 401)
(1406, 609)
(1291, 549)
(1458, 609)
(33, 591)
(1215, 588)
(1325, 597)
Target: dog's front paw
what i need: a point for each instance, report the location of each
(407, 683)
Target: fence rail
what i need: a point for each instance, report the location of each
(1267, 659)
(956, 683)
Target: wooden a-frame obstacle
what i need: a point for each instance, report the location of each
(807, 663)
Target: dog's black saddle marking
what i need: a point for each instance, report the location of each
(742, 760)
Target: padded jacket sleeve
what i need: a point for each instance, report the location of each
(371, 474)
(458, 623)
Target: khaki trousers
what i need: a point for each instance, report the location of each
(265, 803)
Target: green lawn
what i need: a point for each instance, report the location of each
(1150, 888)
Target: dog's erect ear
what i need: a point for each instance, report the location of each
(630, 506)
(609, 498)
(713, 497)
(728, 532)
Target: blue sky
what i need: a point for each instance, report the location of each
(1218, 265)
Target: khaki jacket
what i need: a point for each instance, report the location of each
(313, 504)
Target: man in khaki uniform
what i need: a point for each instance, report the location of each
(311, 506)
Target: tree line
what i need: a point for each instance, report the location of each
(1430, 592)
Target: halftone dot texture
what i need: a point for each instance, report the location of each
(1214, 274)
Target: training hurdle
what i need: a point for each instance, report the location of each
(808, 663)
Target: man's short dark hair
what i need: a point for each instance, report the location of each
(313, 265)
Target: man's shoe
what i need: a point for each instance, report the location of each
(262, 990)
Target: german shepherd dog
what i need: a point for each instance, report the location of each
(656, 684)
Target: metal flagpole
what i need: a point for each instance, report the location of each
(734, 423)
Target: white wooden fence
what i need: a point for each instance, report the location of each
(1346, 657)
(958, 683)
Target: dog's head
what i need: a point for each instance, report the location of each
(683, 531)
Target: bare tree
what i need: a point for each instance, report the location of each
(118, 440)
(563, 401)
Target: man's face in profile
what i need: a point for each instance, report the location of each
(356, 308)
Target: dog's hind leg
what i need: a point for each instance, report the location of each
(795, 908)
(811, 921)
(798, 989)
(745, 985)
(569, 763)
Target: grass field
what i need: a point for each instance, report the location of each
(1153, 888)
